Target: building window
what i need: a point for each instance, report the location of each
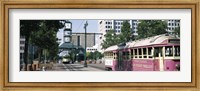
(100, 22)
(78, 40)
(22, 42)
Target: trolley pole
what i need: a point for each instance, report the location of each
(85, 26)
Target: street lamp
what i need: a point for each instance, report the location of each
(85, 26)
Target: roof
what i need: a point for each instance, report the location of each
(68, 46)
(159, 39)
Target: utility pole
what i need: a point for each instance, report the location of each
(85, 26)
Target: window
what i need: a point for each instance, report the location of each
(21, 57)
(100, 22)
(127, 55)
(131, 53)
(157, 51)
(176, 50)
(144, 52)
(150, 52)
(22, 42)
(140, 52)
(114, 54)
(135, 52)
(168, 51)
(78, 40)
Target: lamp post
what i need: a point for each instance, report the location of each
(85, 26)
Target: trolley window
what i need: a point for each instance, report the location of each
(176, 50)
(131, 53)
(144, 52)
(135, 52)
(140, 52)
(127, 55)
(168, 51)
(157, 50)
(150, 52)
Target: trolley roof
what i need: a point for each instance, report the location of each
(159, 39)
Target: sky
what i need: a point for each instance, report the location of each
(78, 26)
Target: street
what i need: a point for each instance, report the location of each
(77, 67)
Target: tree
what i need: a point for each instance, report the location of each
(148, 28)
(110, 39)
(26, 28)
(126, 33)
(46, 39)
(177, 31)
(97, 55)
(94, 55)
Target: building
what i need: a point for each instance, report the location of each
(22, 46)
(79, 39)
(116, 25)
(172, 24)
(91, 49)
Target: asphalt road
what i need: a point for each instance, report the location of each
(78, 67)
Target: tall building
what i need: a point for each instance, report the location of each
(79, 40)
(172, 24)
(22, 46)
(116, 25)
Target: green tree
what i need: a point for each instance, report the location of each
(27, 27)
(177, 31)
(110, 39)
(148, 28)
(46, 39)
(126, 33)
(94, 55)
(97, 55)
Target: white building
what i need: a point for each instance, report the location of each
(116, 25)
(22, 46)
(106, 25)
(172, 24)
(91, 49)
